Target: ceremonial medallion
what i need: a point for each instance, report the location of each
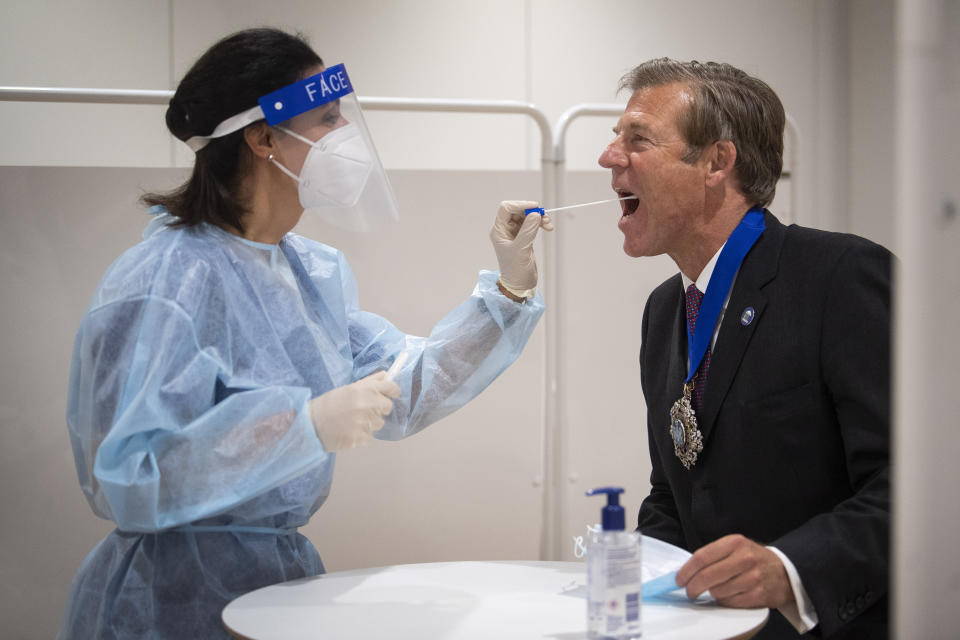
(687, 439)
(703, 313)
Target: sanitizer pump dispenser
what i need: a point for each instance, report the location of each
(613, 575)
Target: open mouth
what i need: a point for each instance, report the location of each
(628, 207)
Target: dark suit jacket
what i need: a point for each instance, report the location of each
(795, 421)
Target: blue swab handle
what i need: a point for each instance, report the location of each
(659, 586)
(527, 212)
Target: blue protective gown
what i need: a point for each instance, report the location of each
(189, 415)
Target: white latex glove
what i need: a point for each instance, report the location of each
(347, 416)
(512, 236)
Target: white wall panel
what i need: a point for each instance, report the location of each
(95, 43)
(411, 49)
(581, 49)
(824, 150)
(554, 53)
(871, 134)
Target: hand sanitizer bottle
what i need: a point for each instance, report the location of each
(613, 575)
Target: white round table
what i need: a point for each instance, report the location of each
(462, 601)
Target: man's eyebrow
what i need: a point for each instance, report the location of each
(633, 125)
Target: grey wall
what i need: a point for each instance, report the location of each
(872, 97)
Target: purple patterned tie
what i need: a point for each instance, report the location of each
(694, 298)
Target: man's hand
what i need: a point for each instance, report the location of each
(738, 573)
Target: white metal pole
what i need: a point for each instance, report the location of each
(98, 96)
(556, 473)
(141, 96)
(926, 511)
(551, 516)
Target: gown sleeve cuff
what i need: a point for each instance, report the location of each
(489, 288)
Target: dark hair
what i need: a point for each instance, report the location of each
(226, 80)
(728, 104)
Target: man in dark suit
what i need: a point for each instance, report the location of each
(768, 427)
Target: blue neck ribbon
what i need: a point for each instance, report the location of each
(739, 243)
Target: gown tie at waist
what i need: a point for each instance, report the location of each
(232, 528)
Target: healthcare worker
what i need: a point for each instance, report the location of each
(224, 361)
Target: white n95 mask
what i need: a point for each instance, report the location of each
(335, 171)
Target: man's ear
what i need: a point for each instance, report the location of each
(723, 157)
(262, 139)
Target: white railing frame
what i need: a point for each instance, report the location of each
(544, 478)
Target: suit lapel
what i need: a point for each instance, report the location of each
(677, 365)
(758, 268)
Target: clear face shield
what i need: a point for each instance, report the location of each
(341, 180)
